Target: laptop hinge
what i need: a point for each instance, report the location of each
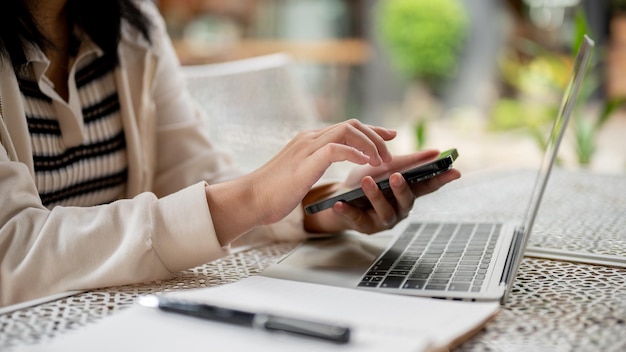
(514, 252)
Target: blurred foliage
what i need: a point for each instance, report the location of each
(423, 37)
(538, 78)
(420, 133)
(586, 127)
(618, 5)
(537, 84)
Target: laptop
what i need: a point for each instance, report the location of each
(472, 261)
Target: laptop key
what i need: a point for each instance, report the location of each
(415, 284)
(368, 284)
(419, 276)
(381, 267)
(399, 272)
(435, 287)
(470, 262)
(385, 262)
(459, 286)
(444, 270)
(392, 281)
(447, 265)
(458, 278)
(449, 260)
(424, 268)
(376, 273)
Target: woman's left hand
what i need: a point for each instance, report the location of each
(383, 214)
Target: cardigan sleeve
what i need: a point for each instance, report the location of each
(145, 238)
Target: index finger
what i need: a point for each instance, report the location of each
(376, 135)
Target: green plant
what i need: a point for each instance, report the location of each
(423, 37)
(547, 73)
(420, 133)
(537, 84)
(586, 127)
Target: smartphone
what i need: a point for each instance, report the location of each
(357, 198)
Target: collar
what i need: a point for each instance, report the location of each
(38, 60)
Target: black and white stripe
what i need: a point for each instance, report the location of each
(94, 172)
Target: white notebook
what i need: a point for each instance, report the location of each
(379, 322)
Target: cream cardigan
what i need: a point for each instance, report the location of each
(165, 224)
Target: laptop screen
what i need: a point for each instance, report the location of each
(568, 103)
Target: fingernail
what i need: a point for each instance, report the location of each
(370, 185)
(396, 181)
(390, 223)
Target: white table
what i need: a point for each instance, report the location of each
(556, 305)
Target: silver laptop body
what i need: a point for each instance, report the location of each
(474, 261)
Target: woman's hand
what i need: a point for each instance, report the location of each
(384, 214)
(270, 193)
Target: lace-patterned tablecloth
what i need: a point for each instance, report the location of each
(555, 305)
(580, 211)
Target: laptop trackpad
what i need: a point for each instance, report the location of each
(337, 261)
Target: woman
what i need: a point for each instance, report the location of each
(106, 176)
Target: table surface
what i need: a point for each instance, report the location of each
(555, 305)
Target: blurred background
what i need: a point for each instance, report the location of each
(485, 76)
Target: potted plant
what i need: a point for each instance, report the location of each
(423, 39)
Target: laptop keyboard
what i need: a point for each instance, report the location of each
(441, 257)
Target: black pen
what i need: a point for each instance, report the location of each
(269, 322)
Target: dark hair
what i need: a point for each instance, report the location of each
(100, 19)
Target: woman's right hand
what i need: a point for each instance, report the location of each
(271, 192)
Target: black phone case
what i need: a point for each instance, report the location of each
(357, 198)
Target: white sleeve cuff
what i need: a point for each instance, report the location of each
(184, 236)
